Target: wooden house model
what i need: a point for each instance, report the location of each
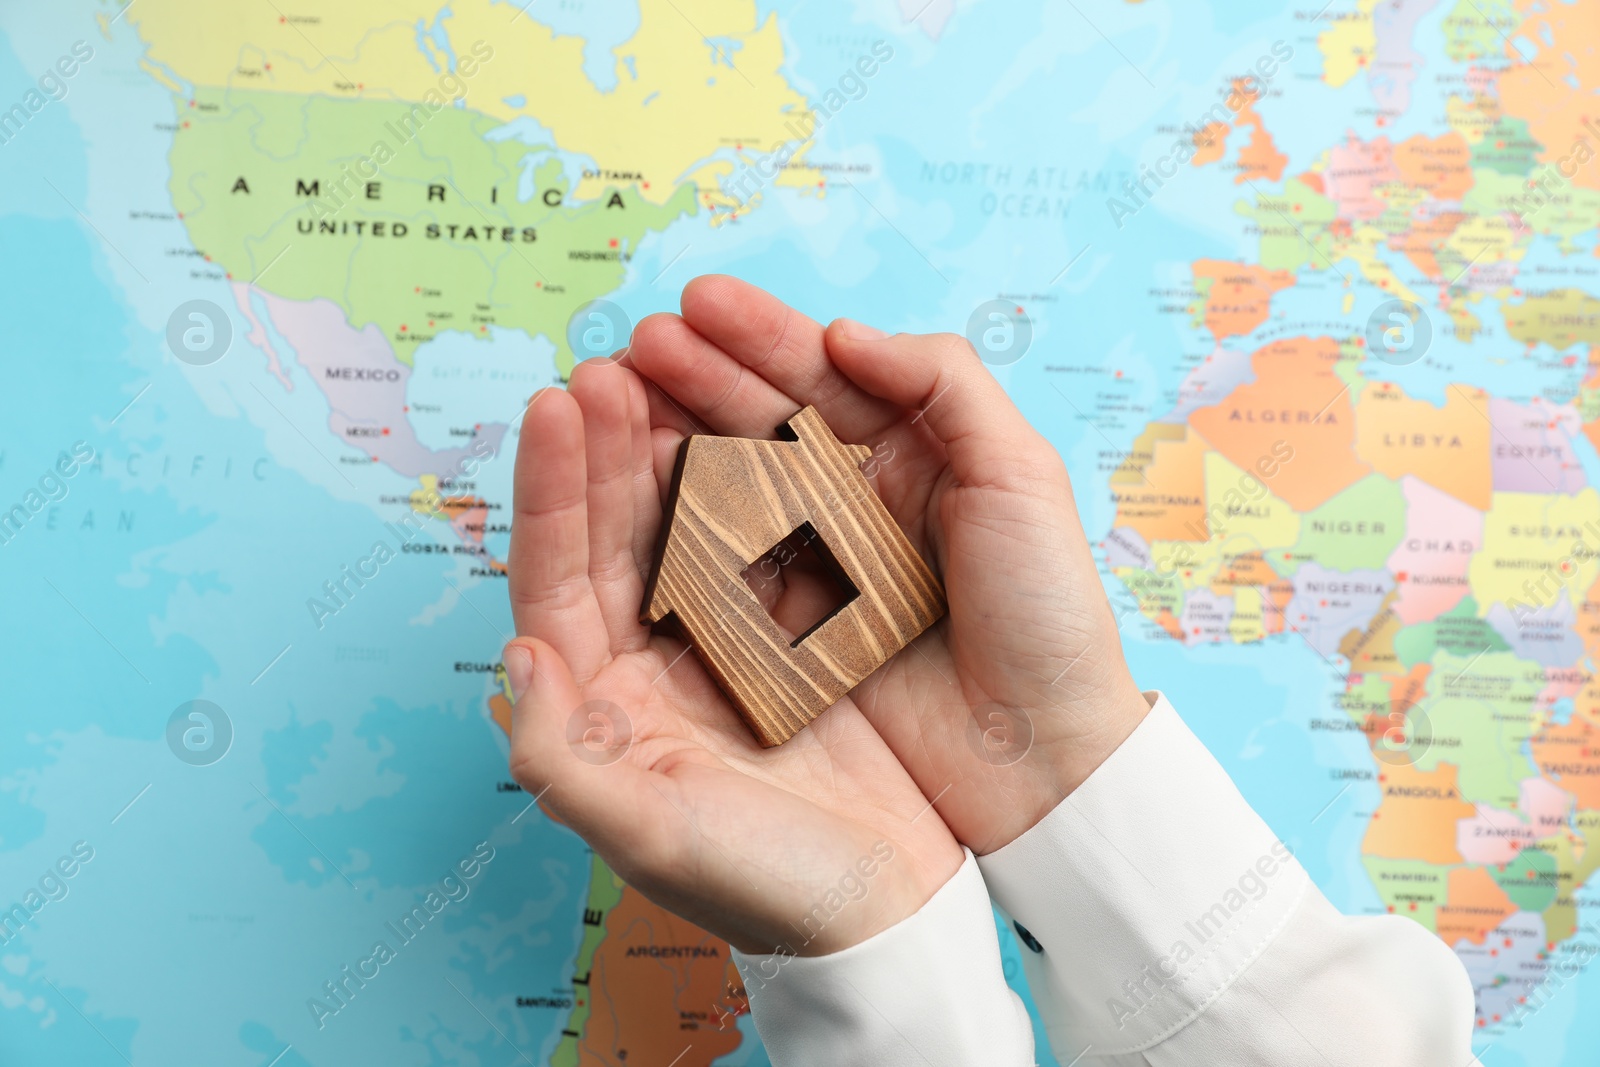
(732, 501)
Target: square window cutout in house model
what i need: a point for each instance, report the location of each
(732, 501)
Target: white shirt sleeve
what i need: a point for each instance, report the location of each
(1176, 929)
(1165, 924)
(927, 992)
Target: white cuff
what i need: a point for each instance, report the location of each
(927, 992)
(1148, 891)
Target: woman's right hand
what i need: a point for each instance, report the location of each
(1009, 703)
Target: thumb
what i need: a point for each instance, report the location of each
(571, 753)
(543, 695)
(986, 438)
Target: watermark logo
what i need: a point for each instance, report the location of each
(199, 733)
(1404, 737)
(199, 333)
(357, 181)
(52, 886)
(999, 735)
(599, 732)
(51, 488)
(52, 87)
(1000, 331)
(757, 172)
(597, 329)
(1399, 332)
(342, 589)
(452, 888)
(1203, 935)
(851, 888)
(1213, 125)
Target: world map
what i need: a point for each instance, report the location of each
(1307, 297)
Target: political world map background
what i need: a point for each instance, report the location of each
(1306, 295)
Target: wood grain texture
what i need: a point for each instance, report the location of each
(732, 500)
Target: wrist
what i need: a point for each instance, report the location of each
(1072, 764)
(1066, 752)
(845, 906)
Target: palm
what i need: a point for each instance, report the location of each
(992, 697)
(1005, 692)
(639, 750)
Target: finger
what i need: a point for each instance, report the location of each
(939, 375)
(708, 384)
(646, 496)
(665, 411)
(573, 755)
(601, 389)
(772, 339)
(551, 596)
(664, 445)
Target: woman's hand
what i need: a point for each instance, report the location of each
(813, 846)
(1008, 704)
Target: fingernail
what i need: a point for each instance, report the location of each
(519, 670)
(860, 331)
